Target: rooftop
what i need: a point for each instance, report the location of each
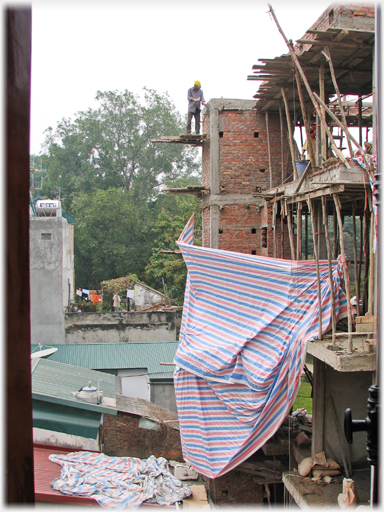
(352, 58)
(115, 356)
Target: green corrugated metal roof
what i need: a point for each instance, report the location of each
(67, 216)
(69, 420)
(56, 382)
(115, 356)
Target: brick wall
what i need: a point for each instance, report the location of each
(244, 162)
(346, 16)
(244, 172)
(235, 488)
(353, 16)
(206, 227)
(122, 437)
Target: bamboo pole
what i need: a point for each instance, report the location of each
(306, 171)
(290, 233)
(357, 283)
(309, 90)
(327, 55)
(360, 118)
(291, 145)
(361, 249)
(299, 229)
(274, 207)
(269, 149)
(281, 143)
(366, 261)
(345, 269)
(324, 148)
(335, 235)
(282, 229)
(305, 118)
(317, 267)
(328, 243)
(306, 236)
(371, 267)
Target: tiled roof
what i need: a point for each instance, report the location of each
(56, 382)
(117, 356)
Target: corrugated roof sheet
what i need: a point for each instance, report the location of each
(45, 471)
(57, 381)
(118, 356)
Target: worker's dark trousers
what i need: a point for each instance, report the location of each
(196, 115)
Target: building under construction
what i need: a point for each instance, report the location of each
(260, 196)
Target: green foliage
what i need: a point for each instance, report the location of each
(110, 147)
(111, 236)
(303, 399)
(170, 269)
(109, 175)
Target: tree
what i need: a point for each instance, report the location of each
(170, 269)
(112, 236)
(111, 147)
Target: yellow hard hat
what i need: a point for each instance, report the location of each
(197, 83)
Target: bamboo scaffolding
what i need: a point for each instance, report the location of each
(336, 200)
(348, 136)
(317, 267)
(291, 145)
(328, 243)
(269, 149)
(309, 90)
(305, 118)
(324, 149)
(327, 55)
(281, 142)
(357, 283)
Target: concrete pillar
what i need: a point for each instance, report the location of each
(214, 173)
(318, 406)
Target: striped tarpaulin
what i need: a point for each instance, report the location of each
(118, 482)
(246, 322)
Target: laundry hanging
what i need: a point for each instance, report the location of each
(245, 325)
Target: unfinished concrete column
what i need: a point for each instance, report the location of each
(318, 406)
(214, 172)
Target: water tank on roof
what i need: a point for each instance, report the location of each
(48, 208)
(90, 394)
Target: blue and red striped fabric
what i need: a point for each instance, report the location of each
(246, 321)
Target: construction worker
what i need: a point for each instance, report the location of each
(312, 139)
(195, 99)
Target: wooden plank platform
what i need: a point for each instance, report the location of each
(184, 138)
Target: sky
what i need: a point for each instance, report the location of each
(79, 48)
